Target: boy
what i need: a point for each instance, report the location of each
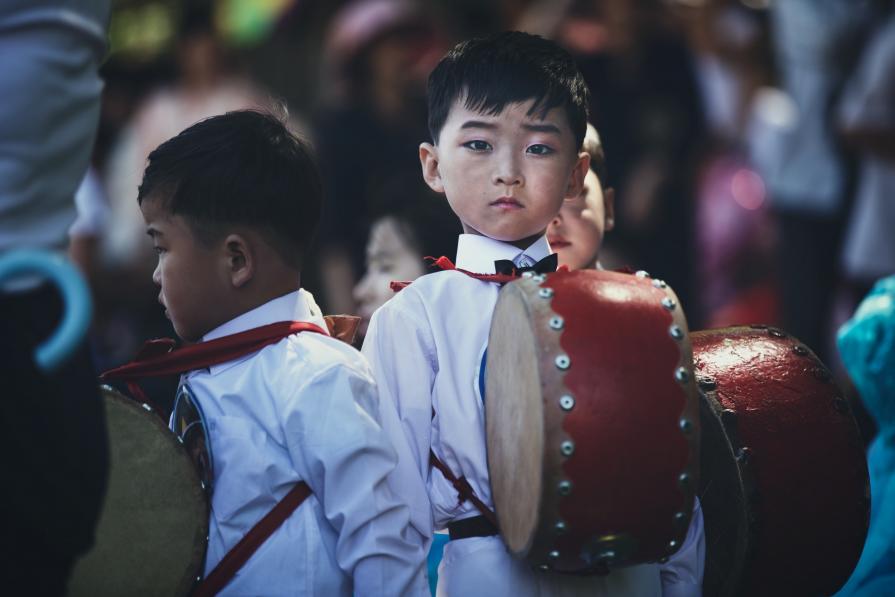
(576, 233)
(507, 114)
(231, 204)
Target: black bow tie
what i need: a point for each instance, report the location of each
(546, 265)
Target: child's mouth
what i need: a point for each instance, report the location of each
(506, 203)
(558, 243)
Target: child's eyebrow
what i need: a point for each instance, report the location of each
(542, 128)
(153, 232)
(478, 124)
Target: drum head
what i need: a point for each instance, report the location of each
(515, 467)
(153, 529)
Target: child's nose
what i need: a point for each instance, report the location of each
(157, 274)
(508, 173)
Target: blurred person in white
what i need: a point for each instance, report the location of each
(734, 240)
(208, 85)
(866, 119)
(53, 450)
(85, 233)
(815, 43)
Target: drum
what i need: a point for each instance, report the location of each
(153, 529)
(784, 487)
(592, 420)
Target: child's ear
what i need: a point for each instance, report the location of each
(240, 260)
(608, 209)
(579, 171)
(429, 163)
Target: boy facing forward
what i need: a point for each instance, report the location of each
(507, 114)
(230, 204)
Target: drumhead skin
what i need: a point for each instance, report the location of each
(591, 419)
(153, 529)
(785, 490)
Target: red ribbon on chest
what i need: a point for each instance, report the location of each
(160, 357)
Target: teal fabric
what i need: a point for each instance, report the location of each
(867, 347)
(439, 540)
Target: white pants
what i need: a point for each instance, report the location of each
(483, 566)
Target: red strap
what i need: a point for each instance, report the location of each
(159, 357)
(446, 264)
(231, 563)
(464, 489)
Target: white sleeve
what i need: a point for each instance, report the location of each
(682, 573)
(400, 349)
(338, 445)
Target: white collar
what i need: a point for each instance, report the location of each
(476, 253)
(295, 306)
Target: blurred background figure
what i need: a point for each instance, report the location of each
(866, 120)
(735, 244)
(53, 449)
(410, 223)
(372, 117)
(815, 45)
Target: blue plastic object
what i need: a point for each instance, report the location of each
(867, 347)
(75, 294)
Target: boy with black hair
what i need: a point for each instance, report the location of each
(507, 116)
(292, 418)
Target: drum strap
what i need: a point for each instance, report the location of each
(464, 489)
(160, 357)
(230, 564)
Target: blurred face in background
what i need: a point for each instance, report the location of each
(391, 256)
(576, 233)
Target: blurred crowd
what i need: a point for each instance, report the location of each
(749, 143)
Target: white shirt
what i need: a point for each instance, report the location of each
(425, 346)
(304, 408)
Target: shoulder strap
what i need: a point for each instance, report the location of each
(240, 553)
(464, 489)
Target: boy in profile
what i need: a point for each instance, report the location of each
(576, 233)
(507, 115)
(291, 413)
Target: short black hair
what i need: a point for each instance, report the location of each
(509, 67)
(243, 168)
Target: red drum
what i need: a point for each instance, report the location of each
(592, 420)
(784, 486)
(153, 530)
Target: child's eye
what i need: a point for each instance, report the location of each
(477, 145)
(540, 149)
(159, 250)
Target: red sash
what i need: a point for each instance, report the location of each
(159, 357)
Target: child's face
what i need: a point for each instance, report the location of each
(505, 175)
(389, 258)
(576, 233)
(190, 277)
